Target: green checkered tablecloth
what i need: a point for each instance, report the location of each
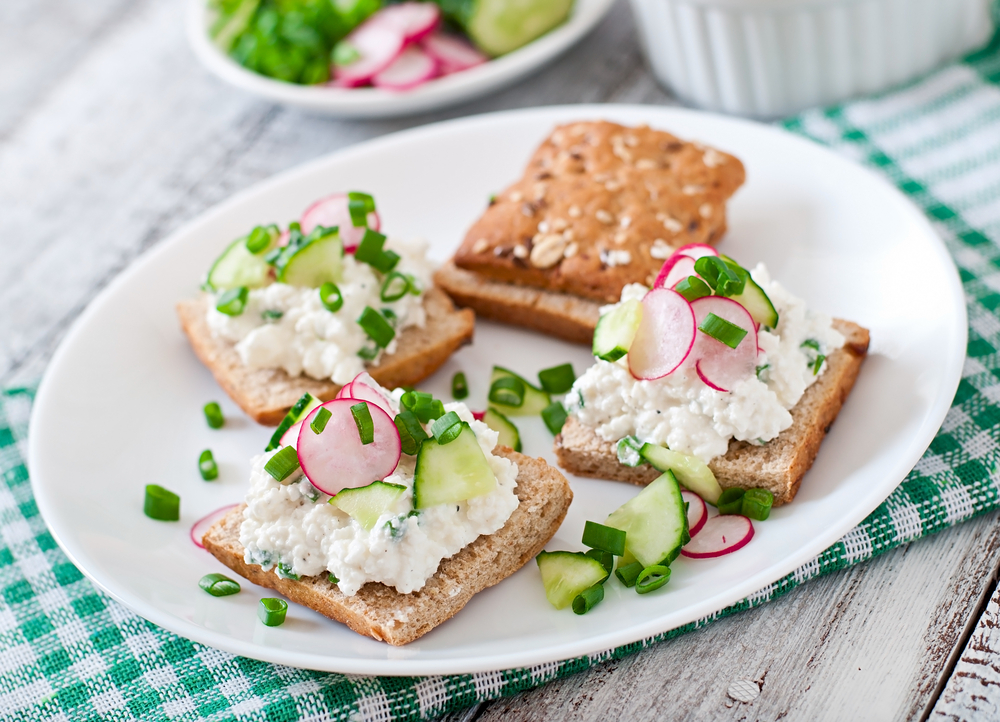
(67, 651)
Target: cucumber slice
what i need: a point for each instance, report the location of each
(451, 473)
(509, 435)
(535, 400)
(566, 574)
(690, 471)
(367, 503)
(616, 329)
(306, 403)
(238, 267)
(754, 300)
(499, 26)
(655, 522)
(312, 263)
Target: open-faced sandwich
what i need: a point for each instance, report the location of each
(388, 511)
(599, 206)
(308, 308)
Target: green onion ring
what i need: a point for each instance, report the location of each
(652, 578)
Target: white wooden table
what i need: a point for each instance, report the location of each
(112, 136)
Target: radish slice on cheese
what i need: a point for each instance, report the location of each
(697, 512)
(697, 250)
(201, 526)
(675, 269)
(410, 69)
(415, 20)
(665, 335)
(365, 388)
(378, 44)
(336, 459)
(345, 391)
(291, 437)
(333, 211)
(718, 365)
(721, 535)
(453, 54)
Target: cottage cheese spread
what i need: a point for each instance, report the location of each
(684, 414)
(308, 338)
(293, 527)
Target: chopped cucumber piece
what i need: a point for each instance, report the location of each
(655, 523)
(690, 471)
(508, 433)
(367, 503)
(499, 26)
(535, 400)
(568, 574)
(312, 262)
(451, 473)
(616, 329)
(306, 403)
(239, 267)
(754, 300)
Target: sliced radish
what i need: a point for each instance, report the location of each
(336, 459)
(365, 388)
(697, 511)
(201, 526)
(415, 20)
(719, 536)
(697, 250)
(675, 269)
(412, 68)
(345, 391)
(291, 437)
(718, 365)
(454, 54)
(333, 211)
(665, 335)
(478, 415)
(378, 44)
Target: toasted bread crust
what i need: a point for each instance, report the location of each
(777, 466)
(379, 611)
(593, 188)
(267, 394)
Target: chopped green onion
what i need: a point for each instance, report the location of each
(369, 352)
(722, 330)
(272, 611)
(161, 504)
(218, 585)
(395, 286)
(628, 451)
(415, 287)
(330, 297)
(261, 237)
(652, 578)
(370, 248)
(757, 504)
(283, 463)
(413, 398)
(558, 379)
(629, 573)
(295, 226)
(363, 420)
(359, 205)
(507, 390)
(605, 538)
(588, 599)
(554, 416)
(731, 501)
(818, 364)
(459, 386)
(607, 559)
(291, 418)
(726, 279)
(344, 54)
(387, 261)
(692, 288)
(271, 315)
(493, 198)
(762, 373)
(233, 301)
(374, 324)
(332, 579)
(390, 316)
(411, 433)
(425, 406)
(207, 466)
(320, 421)
(447, 428)
(285, 572)
(810, 343)
(213, 415)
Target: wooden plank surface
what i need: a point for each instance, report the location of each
(112, 136)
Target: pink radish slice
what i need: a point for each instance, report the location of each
(333, 211)
(378, 45)
(665, 335)
(291, 437)
(478, 415)
(412, 68)
(363, 391)
(415, 20)
(336, 459)
(345, 391)
(201, 526)
(697, 250)
(719, 536)
(718, 365)
(454, 54)
(697, 511)
(675, 268)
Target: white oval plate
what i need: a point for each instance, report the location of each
(376, 103)
(120, 405)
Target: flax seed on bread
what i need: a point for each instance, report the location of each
(379, 611)
(777, 466)
(267, 394)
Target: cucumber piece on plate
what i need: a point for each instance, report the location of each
(535, 400)
(509, 435)
(453, 472)
(691, 472)
(616, 329)
(565, 575)
(367, 503)
(655, 522)
(313, 261)
(306, 403)
(237, 267)
(500, 26)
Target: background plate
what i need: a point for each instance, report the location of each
(120, 405)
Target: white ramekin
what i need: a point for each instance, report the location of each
(768, 58)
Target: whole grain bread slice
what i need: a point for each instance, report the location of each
(777, 466)
(267, 394)
(379, 611)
